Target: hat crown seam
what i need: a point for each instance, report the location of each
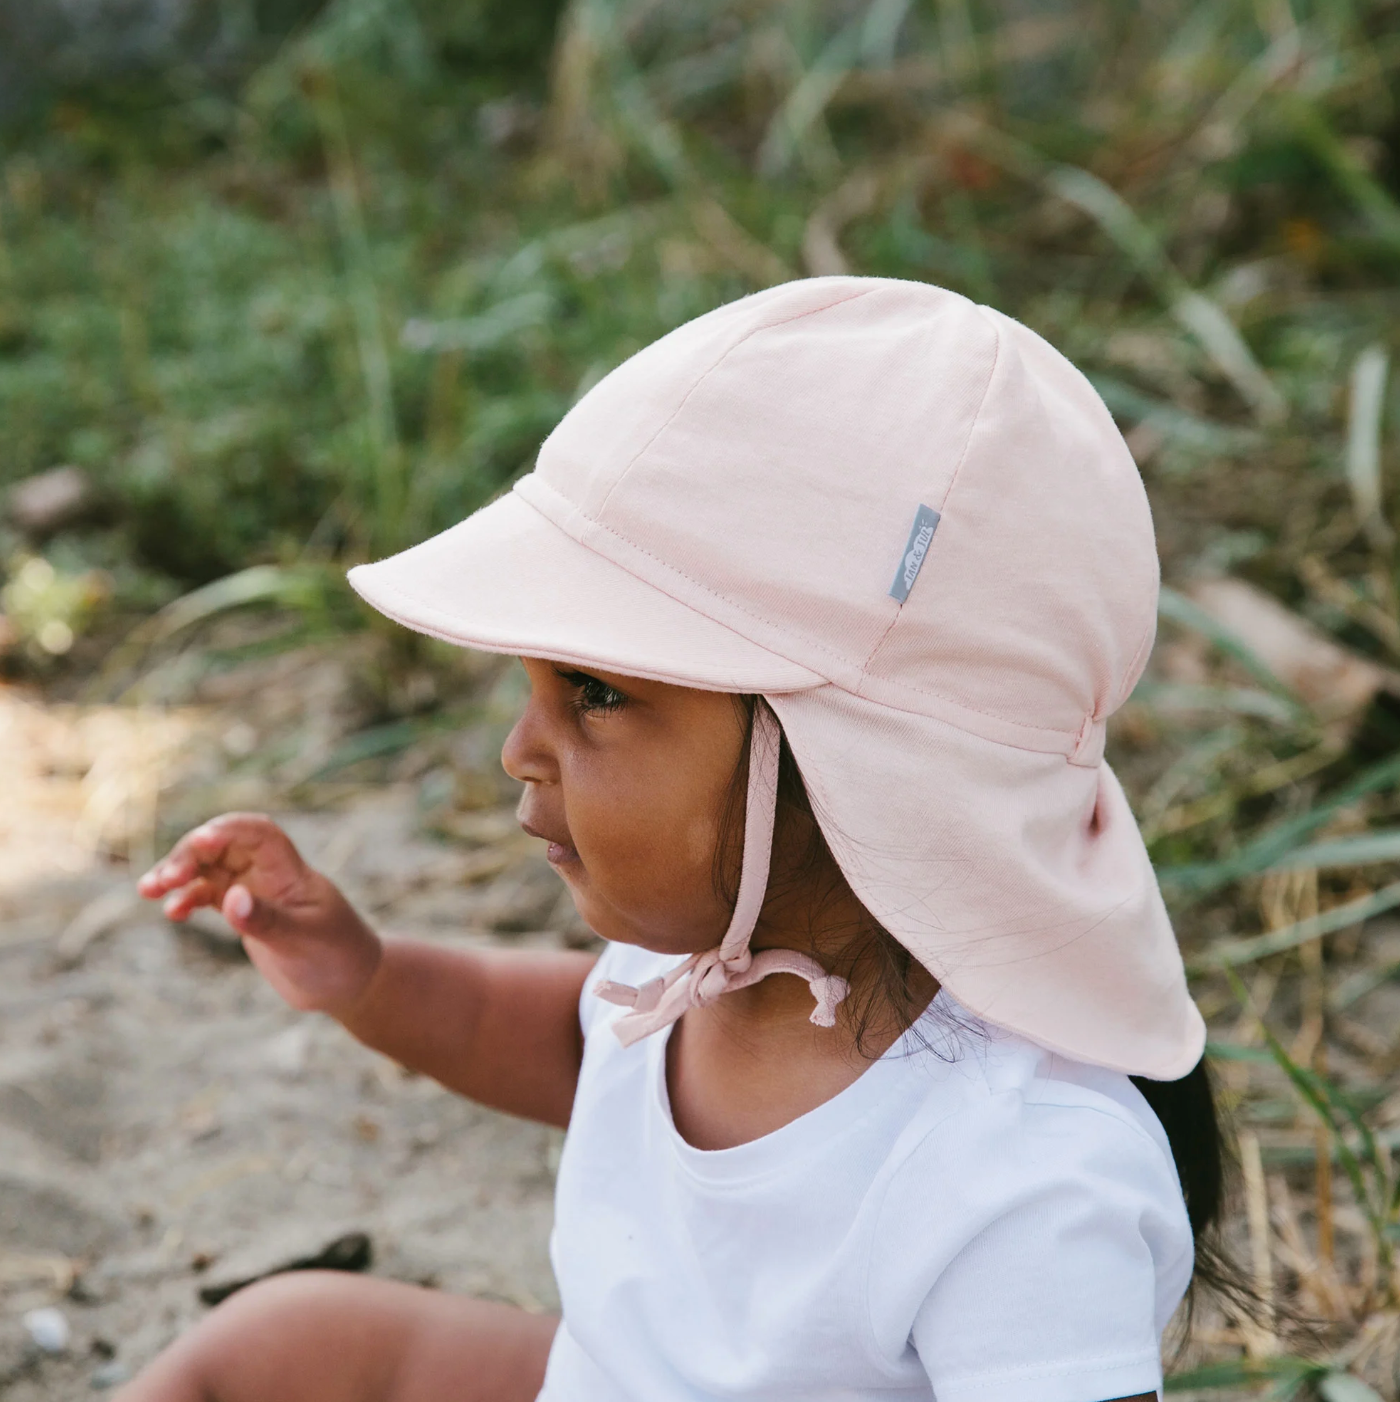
(724, 355)
(952, 481)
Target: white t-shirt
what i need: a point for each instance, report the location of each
(1002, 1226)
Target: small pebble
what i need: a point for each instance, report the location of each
(49, 1329)
(109, 1375)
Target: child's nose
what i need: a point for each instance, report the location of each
(526, 756)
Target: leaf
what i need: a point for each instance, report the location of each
(1174, 423)
(292, 587)
(1233, 1051)
(494, 327)
(1170, 697)
(1364, 190)
(1275, 842)
(379, 741)
(1242, 1372)
(1356, 986)
(1327, 1100)
(807, 101)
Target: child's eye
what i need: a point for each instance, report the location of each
(592, 696)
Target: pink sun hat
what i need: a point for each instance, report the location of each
(911, 526)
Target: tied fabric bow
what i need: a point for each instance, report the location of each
(732, 965)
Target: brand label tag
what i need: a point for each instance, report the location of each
(925, 523)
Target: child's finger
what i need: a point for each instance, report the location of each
(200, 847)
(243, 910)
(172, 871)
(199, 892)
(209, 841)
(237, 840)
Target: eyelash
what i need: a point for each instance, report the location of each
(586, 699)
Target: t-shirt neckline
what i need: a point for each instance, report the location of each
(818, 1126)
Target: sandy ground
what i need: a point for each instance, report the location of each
(165, 1121)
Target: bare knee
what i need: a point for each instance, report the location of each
(322, 1337)
(285, 1337)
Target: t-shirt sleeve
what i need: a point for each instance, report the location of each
(1059, 1293)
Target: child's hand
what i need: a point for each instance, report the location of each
(298, 929)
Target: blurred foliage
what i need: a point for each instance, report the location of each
(337, 306)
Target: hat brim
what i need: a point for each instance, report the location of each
(509, 580)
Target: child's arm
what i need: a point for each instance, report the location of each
(498, 1026)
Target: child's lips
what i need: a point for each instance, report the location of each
(559, 852)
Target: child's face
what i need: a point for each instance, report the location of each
(627, 780)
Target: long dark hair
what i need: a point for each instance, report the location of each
(880, 970)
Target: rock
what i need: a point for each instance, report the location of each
(351, 1252)
(51, 501)
(49, 1329)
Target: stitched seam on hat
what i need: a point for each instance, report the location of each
(423, 603)
(580, 657)
(948, 492)
(1066, 735)
(670, 418)
(713, 593)
(592, 523)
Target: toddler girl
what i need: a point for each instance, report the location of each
(824, 601)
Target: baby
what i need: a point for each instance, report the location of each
(824, 601)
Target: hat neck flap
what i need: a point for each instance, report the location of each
(732, 964)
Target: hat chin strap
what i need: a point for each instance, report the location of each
(732, 965)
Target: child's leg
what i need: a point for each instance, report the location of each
(323, 1337)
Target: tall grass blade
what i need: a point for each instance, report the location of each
(1336, 1110)
(1233, 953)
(1367, 193)
(1363, 457)
(1365, 849)
(1176, 607)
(1345, 1387)
(1203, 318)
(805, 104)
(388, 483)
(1244, 1372)
(1278, 840)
